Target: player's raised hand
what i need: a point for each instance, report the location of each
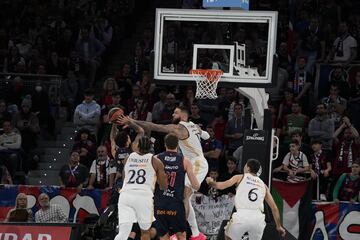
(123, 120)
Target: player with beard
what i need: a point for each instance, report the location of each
(189, 135)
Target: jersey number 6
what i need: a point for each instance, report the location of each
(252, 195)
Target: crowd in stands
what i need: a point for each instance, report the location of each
(319, 136)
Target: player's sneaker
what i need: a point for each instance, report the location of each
(201, 236)
(173, 237)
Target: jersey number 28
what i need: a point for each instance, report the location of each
(138, 177)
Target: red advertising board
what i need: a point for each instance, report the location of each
(35, 232)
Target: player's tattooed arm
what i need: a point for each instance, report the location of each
(113, 133)
(235, 180)
(160, 173)
(177, 129)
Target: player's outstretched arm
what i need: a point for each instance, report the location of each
(113, 133)
(162, 179)
(178, 130)
(226, 184)
(275, 212)
(190, 173)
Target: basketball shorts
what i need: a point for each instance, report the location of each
(170, 219)
(200, 168)
(136, 207)
(242, 221)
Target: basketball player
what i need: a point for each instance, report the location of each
(169, 205)
(251, 192)
(189, 135)
(141, 170)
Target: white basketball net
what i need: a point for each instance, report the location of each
(206, 82)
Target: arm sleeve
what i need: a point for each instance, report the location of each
(337, 186)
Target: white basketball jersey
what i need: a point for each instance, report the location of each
(191, 146)
(139, 173)
(250, 193)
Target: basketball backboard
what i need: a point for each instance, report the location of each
(241, 43)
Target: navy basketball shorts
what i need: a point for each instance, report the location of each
(170, 219)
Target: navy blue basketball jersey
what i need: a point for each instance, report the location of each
(120, 155)
(174, 168)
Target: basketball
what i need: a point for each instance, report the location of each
(115, 113)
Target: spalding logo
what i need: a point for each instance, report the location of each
(255, 137)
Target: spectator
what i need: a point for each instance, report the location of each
(335, 105)
(73, 174)
(208, 190)
(86, 146)
(354, 102)
(102, 175)
(125, 81)
(21, 213)
(28, 124)
(234, 130)
(109, 87)
(347, 147)
(5, 177)
(301, 83)
(195, 117)
(90, 50)
(295, 162)
(348, 186)
(12, 59)
(212, 148)
(141, 111)
(87, 113)
(41, 107)
(231, 171)
(159, 105)
(136, 94)
(285, 105)
(344, 48)
(166, 115)
(311, 44)
(320, 167)
(294, 121)
(49, 213)
(4, 114)
(339, 77)
(10, 146)
(322, 127)
(188, 99)
(304, 147)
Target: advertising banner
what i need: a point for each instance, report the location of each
(21, 232)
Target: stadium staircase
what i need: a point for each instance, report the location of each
(55, 154)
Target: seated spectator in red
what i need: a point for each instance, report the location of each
(125, 81)
(347, 147)
(294, 121)
(188, 98)
(195, 116)
(295, 162)
(212, 148)
(219, 125)
(73, 174)
(27, 123)
(109, 87)
(141, 111)
(131, 102)
(320, 167)
(86, 146)
(5, 177)
(102, 174)
(146, 85)
(20, 213)
(10, 147)
(348, 185)
(231, 171)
